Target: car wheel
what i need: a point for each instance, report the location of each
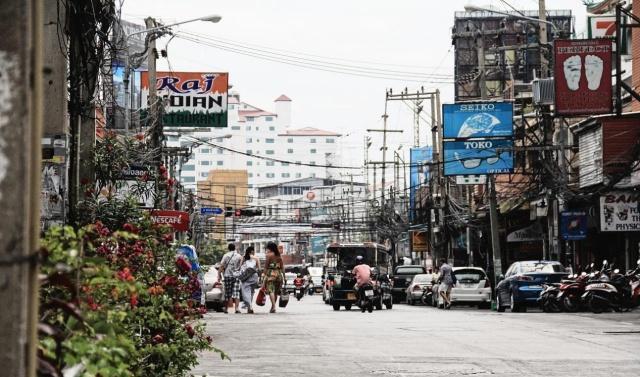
(336, 307)
(347, 307)
(389, 304)
(516, 307)
(499, 306)
(379, 304)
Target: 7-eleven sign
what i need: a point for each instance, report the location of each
(604, 26)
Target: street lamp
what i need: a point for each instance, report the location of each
(163, 28)
(473, 8)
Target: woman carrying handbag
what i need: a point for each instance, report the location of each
(249, 277)
(273, 274)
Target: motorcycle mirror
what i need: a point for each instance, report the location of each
(592, 275)
(501, 277)
(616, 271)
(583, 273)
(592, 265)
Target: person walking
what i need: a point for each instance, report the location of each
(229, 268)
(272, 282)
(446, 282)
(249, 277)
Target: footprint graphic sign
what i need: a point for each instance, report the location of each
(583, 76)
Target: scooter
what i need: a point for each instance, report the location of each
(610, 291)
(571, 291)
(548, 299)
(427, 295)
(299, 292)
(366, 297)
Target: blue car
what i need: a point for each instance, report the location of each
(522, 283)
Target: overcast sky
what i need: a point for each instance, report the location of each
(401, 35)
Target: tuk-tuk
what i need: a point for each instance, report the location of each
(341, 259)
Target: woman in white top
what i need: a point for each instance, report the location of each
(249, 271)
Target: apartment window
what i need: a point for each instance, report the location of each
(188, 179)
(235, 128)
(220, 163)
(269, 151)
(268, 119)
(313, 163)
(289, 150)
(330, 141)
(220, 139)
(312, 175)
(257, 128)
(270, 163)
(271, 175)
(312, 141)
(188, 168)
(249, 151)
(204, 163)
(286, 175)
(205, 150)
(204, 175)
(313, 151)
(285, 164)
(231, 107)
(249, 163)
(298, 175)
(298, 162)
(272, 128)
(249, 140)
(220, 151)
(269, 141)
(290, 140)
(250, 119)
(297, 191)
(250, 175)
(248, 128)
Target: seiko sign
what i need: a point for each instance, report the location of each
(478, 107)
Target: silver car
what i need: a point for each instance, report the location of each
(417, 286)
(472, 288)
(213, 290)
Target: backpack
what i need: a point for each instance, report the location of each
(246, 274)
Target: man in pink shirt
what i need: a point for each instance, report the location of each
(362, 272)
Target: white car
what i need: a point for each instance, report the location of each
(472, 288)
(213, 290)
(417, 286)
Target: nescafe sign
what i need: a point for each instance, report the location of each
(179, 220)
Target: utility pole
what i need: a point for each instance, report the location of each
(154, 115)
(21, 118)
(542, 39)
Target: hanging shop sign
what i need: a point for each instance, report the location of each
(619, 212)
(179, 220)
(478, 157)
(319, 244)
(191, 99)
(477, 120)
(419, 172)
(583, 76)
(604, 26)
(419, 241)
(573, 225)
(528, 234)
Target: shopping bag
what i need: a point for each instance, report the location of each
(284, 298)
(261, 298)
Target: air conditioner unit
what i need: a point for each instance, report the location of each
(543, 91)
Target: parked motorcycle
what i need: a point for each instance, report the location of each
(612, 290)
(548, 299)
(427, 295)
(571, 290)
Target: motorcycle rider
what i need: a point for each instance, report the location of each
(362, 273)
(298, 281)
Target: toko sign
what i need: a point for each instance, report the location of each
(192, 99)
(477, 120)
(583, 76)
(619, 212)
(478, 157)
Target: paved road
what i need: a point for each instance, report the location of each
(310, 339)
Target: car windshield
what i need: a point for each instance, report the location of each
(290, 276)
(422, 279)
(469, 275)
(540, 267)
(409, 270)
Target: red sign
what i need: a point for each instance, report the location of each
(583, 76)
(177, 219)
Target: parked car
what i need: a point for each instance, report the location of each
(213, 290)
(417, 286)
(472, 288)
(402, 277)
(522, 283)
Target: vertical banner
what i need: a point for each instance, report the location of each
(419, 173)
(583, 76)
(192, 99)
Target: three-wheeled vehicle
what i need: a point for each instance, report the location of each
(340, 259)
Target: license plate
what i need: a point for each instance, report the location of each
(297, 291)
(351, 296)
(368, 293)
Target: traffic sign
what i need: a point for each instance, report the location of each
(211, 211)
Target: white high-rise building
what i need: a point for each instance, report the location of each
(252, 138)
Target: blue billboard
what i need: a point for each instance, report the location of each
(477, 120)
(478, 157)
(319, 244)
(418, 172)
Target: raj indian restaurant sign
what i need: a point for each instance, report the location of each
(191, 99)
